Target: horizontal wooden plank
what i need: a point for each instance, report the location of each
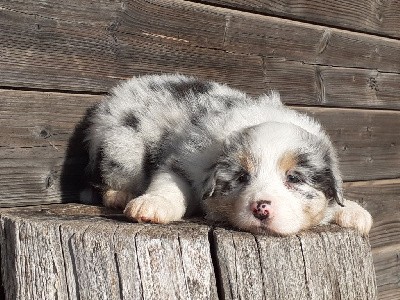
(387, 268)
(37, 148)
(376, 17)
(56, 47)
(49, 52)
(302, 84)
(199, 25)
(102, 13)
(42, 156)
(367, 141)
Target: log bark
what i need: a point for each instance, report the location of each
(74, 251)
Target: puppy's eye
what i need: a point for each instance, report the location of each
(293, 178)
(244, 177)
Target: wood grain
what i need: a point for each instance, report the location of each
(48, 49)
(382, 199)
(301, 84)
(261, 267)
(239, 32)
(81, 255)
(41, 142)
(387, 268)
(376, 17)
(81, 252)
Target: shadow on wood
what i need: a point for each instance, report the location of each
(72, 251)
(73, 177)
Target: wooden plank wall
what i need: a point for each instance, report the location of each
(337, 60)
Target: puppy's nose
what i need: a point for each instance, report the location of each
(261, 209)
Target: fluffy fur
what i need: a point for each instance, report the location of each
(162, 147)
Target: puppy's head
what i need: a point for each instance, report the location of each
(274, 178)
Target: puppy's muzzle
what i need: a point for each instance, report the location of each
(261, 209)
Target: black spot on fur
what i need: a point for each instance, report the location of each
(198, 115)
(303, 161)
(321, 179)
(152, 160)
(230, 177)
(195, 120)
(154, 86)
(324, 181)
(112, 164)
(185, 88)
(229, 103)
(155, 154)
(95, 176)
(130, 120)
(107, 109)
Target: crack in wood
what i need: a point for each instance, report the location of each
(138, 266)
(227, 26)
(64, 261)
(263, 275)
(320, 85)
(215, 263)
(306, 281)
(116, 262)
(323, 43)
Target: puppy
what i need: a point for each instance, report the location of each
(164, 147)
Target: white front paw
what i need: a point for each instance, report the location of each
(354, 216)
(153, 209)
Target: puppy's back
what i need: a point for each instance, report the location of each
(132, 130)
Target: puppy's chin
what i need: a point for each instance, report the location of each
(268, 227)
(239, 215)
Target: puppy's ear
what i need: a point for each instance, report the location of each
(338, 190)
(335, 190)
(208, 185)
(325, 173)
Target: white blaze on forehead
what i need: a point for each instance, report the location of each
(274, 145)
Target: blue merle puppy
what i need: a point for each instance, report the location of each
(168, 146)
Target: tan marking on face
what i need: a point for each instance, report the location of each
(287, 161)
(246, 162)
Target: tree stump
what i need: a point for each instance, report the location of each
(73, 251)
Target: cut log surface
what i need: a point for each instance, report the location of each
(74, 251)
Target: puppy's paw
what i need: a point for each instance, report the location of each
(116, 199)
(354, 216)
(151, 209)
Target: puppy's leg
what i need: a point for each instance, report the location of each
(352, 215)
(163, 202)
(116, 199)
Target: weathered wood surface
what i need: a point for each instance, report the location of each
(382, 199)
(42, 155)
(300, 267)
(39, 146)
(80, 252)
(376, 17)
(53, 46)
